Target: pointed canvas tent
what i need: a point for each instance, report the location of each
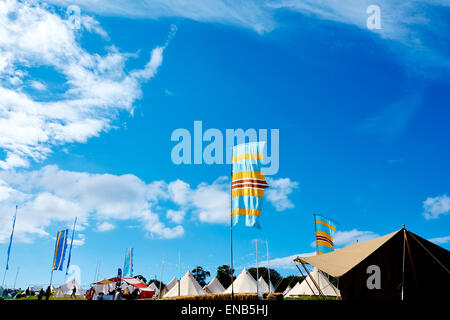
(403, 264)
(168, 287)
(67, 288)
(244, 283)
(214, 287)
(188, 287)
(308, 288)
(154, 287)
(286, 291)
(263, 286)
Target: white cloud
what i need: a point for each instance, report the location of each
(436, 207)
(176, 216)
(413, 24)
(287, 262)
(105, 226)
(440, 240)
(278, 192)
(51, 195)
(345, 238)
(32, 36)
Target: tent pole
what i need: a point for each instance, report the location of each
(305, 279)
(314, 281)
(410, 257)
(329, 282)
(403, 268)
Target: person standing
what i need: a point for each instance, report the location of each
(48, 292)
(41, 294)
(74, 292)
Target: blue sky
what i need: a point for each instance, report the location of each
(86, 118)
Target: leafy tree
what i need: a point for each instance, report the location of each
(141, 277)
(157, 282)
(224, 275)
(200, 275)
(263, 272)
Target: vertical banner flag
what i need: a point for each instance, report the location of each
(119, 275)
(325, 229)
(247, 183)
(70, 249)
(11, 239)
(60, 250)
(128, 265)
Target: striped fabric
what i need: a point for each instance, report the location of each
(60, 250)
(247, 183)
(325, 229)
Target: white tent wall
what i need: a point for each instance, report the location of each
(214, 287)
(244, 283)
(67, 288)
(304, 288)
(169, 286)
(188, 287)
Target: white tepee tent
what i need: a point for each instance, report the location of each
(188, 287)
(244, 283)
(263, 286)
(154, 287)
(304, 288)
(67, 288)
(214, 287)
(286, 291)
(169, 286)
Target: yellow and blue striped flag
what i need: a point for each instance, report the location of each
(60, 250)
(325, 229)
(247, 183)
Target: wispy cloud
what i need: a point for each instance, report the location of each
(31, 35)
(441, 240)
(412, 29)
(436, 207)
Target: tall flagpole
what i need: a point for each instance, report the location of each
(257, 273)
(179, 272)
(70, 250)
(315, 234)
(9, 247)
(15, 280)
(268, 267)
(160, 279)
(231, 226)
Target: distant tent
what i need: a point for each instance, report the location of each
(263, 286)
(402, 261)
(67, 288)
(129, 284)
(169, 286)
(244, 283)
(188, 287)
(286, 291)
(154, 287)
(214, 287)
(308, 288)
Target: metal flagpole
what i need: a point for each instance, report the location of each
(231, 227)
(179, 272)
(15, 280)
(9, 247)
(268, 266)
(160, 279)
(257, 273)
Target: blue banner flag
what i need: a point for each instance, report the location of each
(247, 183)
(70, 249)
(11, 239)
(128, 265)
(325, 229)
(60, 250)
